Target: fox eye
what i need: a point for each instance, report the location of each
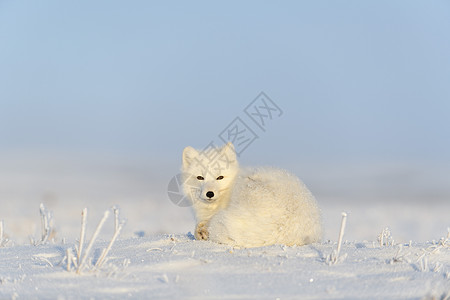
(220, 177)
(200, 178)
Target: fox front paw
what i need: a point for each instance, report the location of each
(201, 232)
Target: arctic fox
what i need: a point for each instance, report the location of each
(247, 207)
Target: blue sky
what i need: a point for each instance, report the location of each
(366, 80)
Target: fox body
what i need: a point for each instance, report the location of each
(247, 207)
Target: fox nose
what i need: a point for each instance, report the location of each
(210, 194)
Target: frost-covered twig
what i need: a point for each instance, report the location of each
(2, 241)
(154, 249)
(116, 217)
(105, 251)
(42, 259)
(385, 238)
(333, 258)
(91, 242)
(81, 260)
(69, 258)
(46, 220)
(444, 242)
(437, 267)
(82, 234)
(422, 259)
(341, 232)
(423, 263)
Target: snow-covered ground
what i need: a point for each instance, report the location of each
(156, 257)
(178, 267)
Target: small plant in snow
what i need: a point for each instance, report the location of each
(437, 267)
(81, 260)
(334, 258)
(46, 226)
(385, 238)
(444, 242)
(400, 256)
(422, 259)
(423, 263)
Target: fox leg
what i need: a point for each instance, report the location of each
(201, 232)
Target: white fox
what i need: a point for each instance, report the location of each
(247, 207)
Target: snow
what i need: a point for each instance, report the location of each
(178, 267)
(156, 257)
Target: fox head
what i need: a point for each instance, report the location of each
(208, 175)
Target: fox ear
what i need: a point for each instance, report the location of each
(189, 154)
(229, 151)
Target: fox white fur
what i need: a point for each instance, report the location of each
(247, 207)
